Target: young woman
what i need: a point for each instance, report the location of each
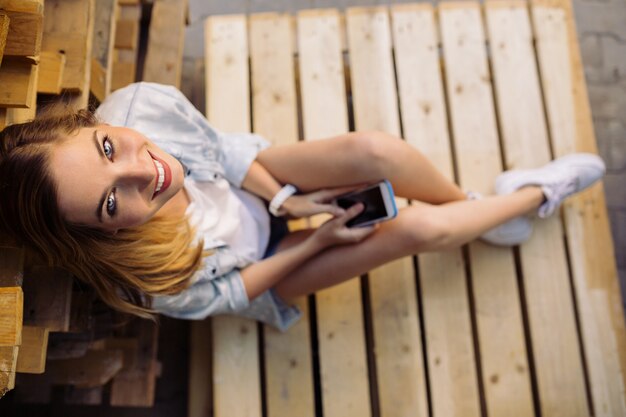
(160, 212)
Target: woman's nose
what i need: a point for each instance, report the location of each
(137, 173)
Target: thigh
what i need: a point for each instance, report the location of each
(325, 163)
(409, 233)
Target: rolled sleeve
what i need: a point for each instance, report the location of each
(206, 297)
(237, 152)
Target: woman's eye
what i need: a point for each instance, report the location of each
(111, 204)
(107, 146)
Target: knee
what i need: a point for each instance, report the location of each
(428, 231)
(374, 148)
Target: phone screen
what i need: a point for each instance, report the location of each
(373, 201)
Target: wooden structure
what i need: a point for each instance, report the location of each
(53, 332)
(532, 330)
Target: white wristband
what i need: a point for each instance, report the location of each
(280, 197)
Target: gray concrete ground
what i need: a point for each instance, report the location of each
(601, 26)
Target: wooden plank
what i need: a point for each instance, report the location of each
(83, 396)
(289, 379)
(25, 32)
(32, 357)
(94, 369)
(399, 365)
(48, 295)
(69, 345)
(68, 28)
(200, 394)
(467, 81)
(102, 45)
(17, 82)
(11, 266)
(164, 57)
(99, 76)
(134, 386)
(123, 74)
(586, 222)
(21, 115)
(8, 364)
(11, 305)
(51, 69)
(23, 6)
(344, 378)
(4, 31)
(235, 340)
(442, 275)
(505, 369)
(127, 34)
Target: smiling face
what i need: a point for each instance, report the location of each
(112, 177)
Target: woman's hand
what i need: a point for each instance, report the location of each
(335, 231)
(305, 205)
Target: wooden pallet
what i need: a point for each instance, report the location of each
(51, 332)
(534, 330)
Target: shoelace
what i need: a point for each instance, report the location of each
(555, 194)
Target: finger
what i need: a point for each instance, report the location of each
(332, 209)
(351, 212)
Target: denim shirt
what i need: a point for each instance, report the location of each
(164, 115)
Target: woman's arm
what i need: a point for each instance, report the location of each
(259, 181)
(264, 274)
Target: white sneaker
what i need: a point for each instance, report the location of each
(558, 179)
(511, 233)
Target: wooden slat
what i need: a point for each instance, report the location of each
(4, 31)
(98, 80)
(23, 6)
(586, 222)
(68, 27)
(48, 295)
(456, 352)
(127, 34)
(94, 369)
(102, 45)
(289, 379)
(32, 355)
(441, 274)
(164, 57)
(135, 384)
(11, 305)
(21, 115)
(200, 395)
(25, 31)
(83, 396)
(505, 369)
(123, 74)
(236, 378)
(17, 82)
(11, 266)
(344, 378)
(8, 365)
(399, 365)
(51, 69)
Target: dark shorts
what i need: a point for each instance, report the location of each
(278, 230)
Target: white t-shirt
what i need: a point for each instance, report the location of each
(229, 214)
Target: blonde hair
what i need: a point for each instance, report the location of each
(126, 269)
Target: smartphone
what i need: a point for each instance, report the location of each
(380, 204)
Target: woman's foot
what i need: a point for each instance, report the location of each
(558, 179)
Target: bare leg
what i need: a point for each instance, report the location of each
(360, 157)
(418, 228)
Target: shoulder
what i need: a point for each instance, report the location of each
(121, 106)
